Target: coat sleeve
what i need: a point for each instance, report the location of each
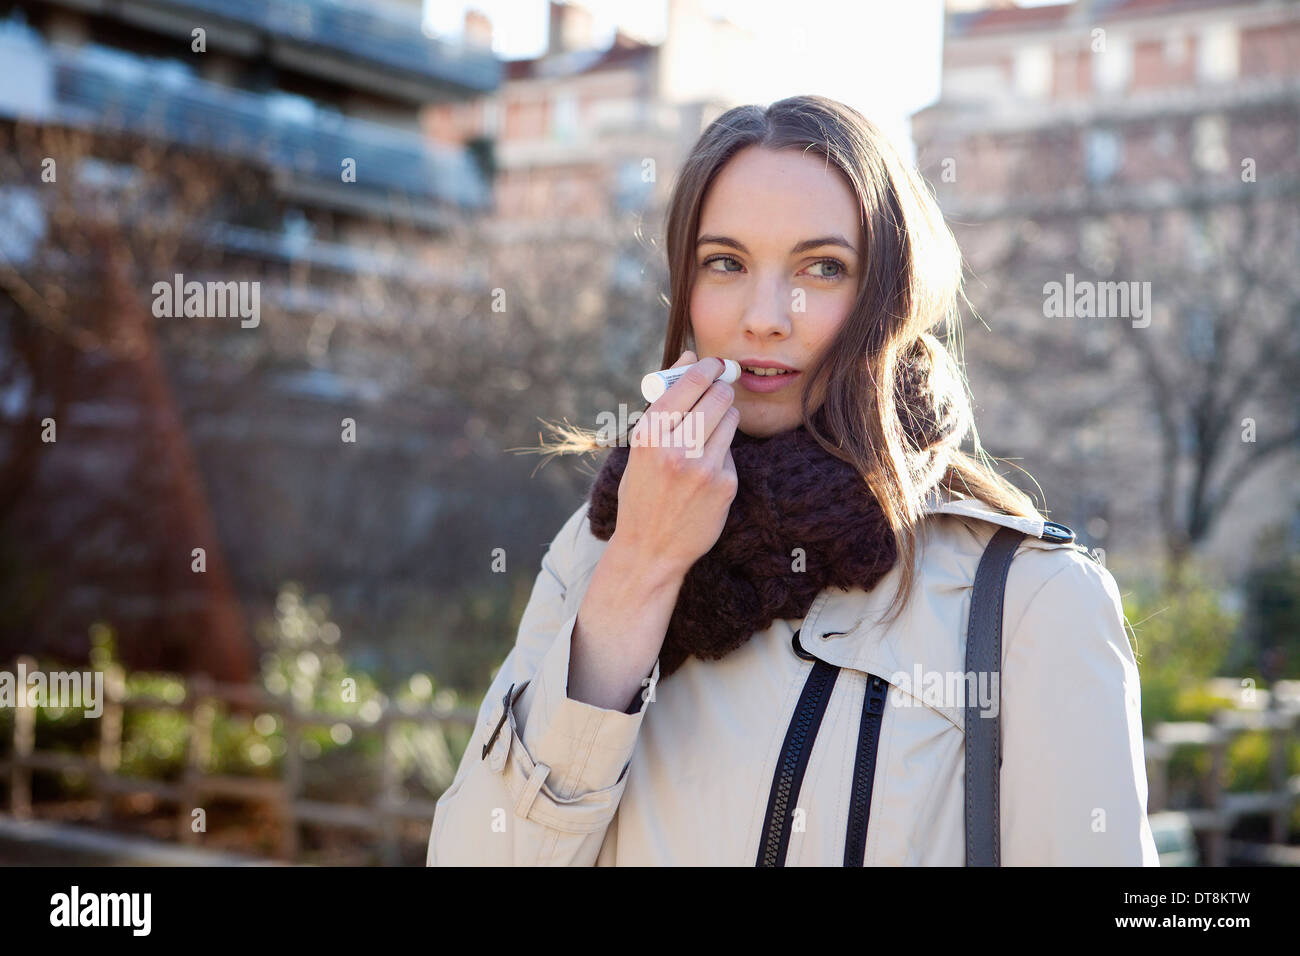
(1073, 780)
(548, 786)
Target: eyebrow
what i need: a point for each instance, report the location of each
(799, 247)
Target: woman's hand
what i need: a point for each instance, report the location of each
(673, 501)
(680, 478)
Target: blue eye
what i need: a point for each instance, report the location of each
(830, 262)
(840, 270)
(722, 259)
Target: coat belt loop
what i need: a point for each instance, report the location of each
(529, 793)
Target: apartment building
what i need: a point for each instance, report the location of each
(275, 146)
(588, 130)
(1131, 146)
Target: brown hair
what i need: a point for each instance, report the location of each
(910, 287)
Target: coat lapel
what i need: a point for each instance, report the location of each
(844, 627)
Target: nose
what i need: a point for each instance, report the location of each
(767, 313)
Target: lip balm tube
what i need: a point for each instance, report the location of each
(656, 383)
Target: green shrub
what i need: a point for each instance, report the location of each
(301, 661)
(1179, 639)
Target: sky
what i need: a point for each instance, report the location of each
(879, 56)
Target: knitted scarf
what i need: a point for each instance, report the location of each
(791, 494)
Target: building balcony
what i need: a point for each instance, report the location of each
(397, 172)
(373, 46)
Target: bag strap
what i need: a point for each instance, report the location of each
(983, 741)
(983, 734)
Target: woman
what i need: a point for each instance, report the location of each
(748, 646)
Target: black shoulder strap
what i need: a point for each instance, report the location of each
(983, 737)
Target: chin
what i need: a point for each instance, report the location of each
(763, 426)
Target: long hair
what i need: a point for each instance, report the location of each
(909, 290)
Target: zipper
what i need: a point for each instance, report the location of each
(795, 751)
(864, 770)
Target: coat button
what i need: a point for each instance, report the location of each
(1056, 532)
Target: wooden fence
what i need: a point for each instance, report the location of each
(1277, 714)
(381, 819)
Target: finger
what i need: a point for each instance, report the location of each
(686, 391)
(699, 423)
(717, 450)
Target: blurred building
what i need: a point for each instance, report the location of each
(302, 119)
(587, 132)
(1111, 140)
(1011, 72)
(295, 85)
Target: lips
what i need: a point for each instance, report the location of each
(764, 363)
(765, 382)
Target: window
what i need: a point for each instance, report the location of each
(1200, 250)
(1104, 155)
(1163, 141)
(1175, 47)
(1218, 50)
(1210, 143)
(1033, 72)
(491, 127)
(564, 117)
(1113, 67)
(632, 188)
(973, 83)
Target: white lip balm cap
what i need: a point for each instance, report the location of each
(655, 384)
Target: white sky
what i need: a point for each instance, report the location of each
(878, 56)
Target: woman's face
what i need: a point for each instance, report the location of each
(777, 266)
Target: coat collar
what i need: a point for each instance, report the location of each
(840, 627)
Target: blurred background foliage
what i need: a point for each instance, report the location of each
(303, 662)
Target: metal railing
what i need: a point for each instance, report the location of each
(388, 36)
(105, 89)
(375, 31)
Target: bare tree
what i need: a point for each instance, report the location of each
(1210, 374)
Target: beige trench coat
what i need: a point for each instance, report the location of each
(686, 779)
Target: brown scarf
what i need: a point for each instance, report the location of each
(791, 494)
